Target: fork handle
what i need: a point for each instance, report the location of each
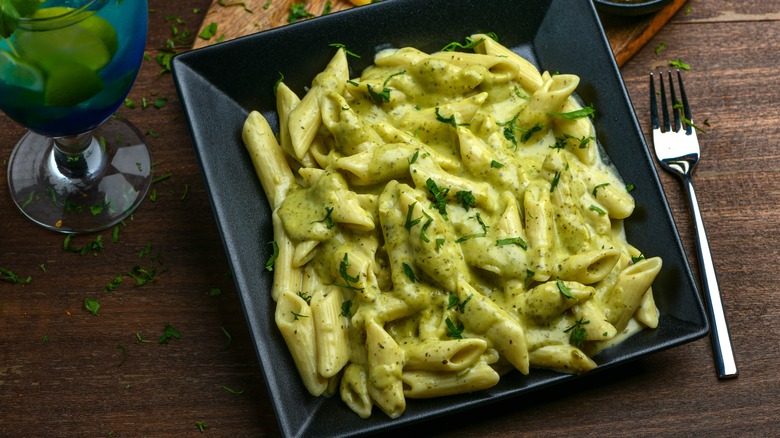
(725, 364)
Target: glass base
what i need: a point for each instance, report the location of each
(90, 187)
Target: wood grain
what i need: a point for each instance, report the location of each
(80, 383)
(235, 18)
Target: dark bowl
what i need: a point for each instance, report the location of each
(628, 7)
(220, 84)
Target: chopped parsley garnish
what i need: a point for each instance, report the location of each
(304, 297)
(597, 187)
(466, 199)
(447, 120)
(209, 31)
(577, 333)
(439, 196)
(471, 43)
(92, 306)
(679, 106)
(227, 335)
(169, 333)
(414, 157)
(425, 226)
(454, 302)
(576, 114)
(384, 95)
(512, 241)
(630, 187)
(327, 219)
(114, 284)
(453, 331)
(269, 265)
(678, 63)
(484, 226)
(95, 245)
(660, 47)
(142, 276)
(296, 316)
(496, 164)
(409, 272)
(409, 221)
(529, 276)
(9, 276)
(638, 258)
(298, 12)
(343, 267)
(597, 209)
(530, 132)
(556, 179)
(278, 81)
(346, 307)
(344, 48)
(565, 290)
(233, 391)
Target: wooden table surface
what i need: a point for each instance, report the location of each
(65, 372)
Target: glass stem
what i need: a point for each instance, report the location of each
(74, 156)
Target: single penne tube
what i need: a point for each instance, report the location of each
(549, 300)
(385, 370)
(647, 313)
(441, 355)
(267, 156)
(427, 384)
(626, 296)
(354, 390)
(304, 252)
(330, 329)
(483, 316)
(588, 267)
(549, 98)
(351, 133)
(379, 165)
(305, 119)
(294, 320)
(391, 134)
(286, 100)
(402, 57)
(286, 276)
(539, 228)
(580, 131)
(562, 358)
(593, 321)
(527, 75)
(500, 68)
(461, 111)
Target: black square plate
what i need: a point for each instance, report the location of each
(219, 85)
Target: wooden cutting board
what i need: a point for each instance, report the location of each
(235, 18)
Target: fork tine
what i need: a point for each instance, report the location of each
(686, 108)
(675, 106)
(653, 106)
(664, 106)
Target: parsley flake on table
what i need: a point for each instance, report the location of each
(678, 63)
(9, 276)
(298, 12)
(169, 333)
(209, 31)
(92, 306)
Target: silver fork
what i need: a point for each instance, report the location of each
(677, 149)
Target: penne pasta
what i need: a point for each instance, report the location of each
(442, 219)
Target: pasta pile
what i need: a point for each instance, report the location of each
(441, 220)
